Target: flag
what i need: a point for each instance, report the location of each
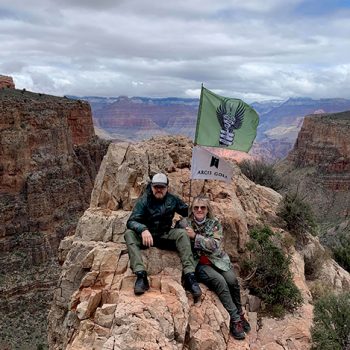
(206, 165)
(225, 122)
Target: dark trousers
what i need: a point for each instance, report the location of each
(175, 239)
(225, 285)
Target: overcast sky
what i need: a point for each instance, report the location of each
(250, 49)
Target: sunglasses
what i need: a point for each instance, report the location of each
(158, 187)
(202, 207)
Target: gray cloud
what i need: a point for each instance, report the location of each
(253, 50)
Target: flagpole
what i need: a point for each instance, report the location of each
(195, 137)
(198, 114)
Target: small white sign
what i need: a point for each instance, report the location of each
(206, 165)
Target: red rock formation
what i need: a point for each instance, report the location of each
(319, 165)
(80, 124)
(324, 142)
(6, 82)
(49, 158)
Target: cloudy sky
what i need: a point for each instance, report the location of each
(249, 49)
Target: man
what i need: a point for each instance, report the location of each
(150, 225)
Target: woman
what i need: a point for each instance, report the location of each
(214, 268)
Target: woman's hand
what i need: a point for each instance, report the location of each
(190, 232)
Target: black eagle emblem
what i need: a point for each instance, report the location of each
(230, 119)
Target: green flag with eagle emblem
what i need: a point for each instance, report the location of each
(225, 122)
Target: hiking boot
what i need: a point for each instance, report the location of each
(192, 285)
(141, 284)
(245, 323)
(236, 329)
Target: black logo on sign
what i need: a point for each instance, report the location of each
(214, 162)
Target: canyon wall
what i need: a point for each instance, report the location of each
(140, 118)
(49, 157)
(319, 165)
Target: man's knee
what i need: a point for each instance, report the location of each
(182, 234)
(178, 234)
(130, 236)
(180, 231)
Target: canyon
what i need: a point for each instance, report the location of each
(49, 157)
(64, 201)
(139, 118)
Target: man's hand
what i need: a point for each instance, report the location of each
(147, 239)
(190, 232)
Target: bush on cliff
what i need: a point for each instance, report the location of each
(339, 244)
(270, 275)
(297, 214)
(331, 329)
(261, 173)
(342, 251)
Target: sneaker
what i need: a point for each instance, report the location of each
(141, 284)
(192, 285)
(245, 324)
(236, 329)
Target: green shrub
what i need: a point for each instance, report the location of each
(337, 240)
(272, 280)
(319, 289)
(342, 251)
(287, 240)
(314, 263)
(331, 329)
(297, 214)
(261, 173)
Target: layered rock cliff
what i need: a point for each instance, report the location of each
(6, 82)
(141, 118)
(94, 305)
(49, 157)
(319, 165)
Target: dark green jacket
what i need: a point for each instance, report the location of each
(154, 215)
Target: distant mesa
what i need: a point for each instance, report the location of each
(6, 82)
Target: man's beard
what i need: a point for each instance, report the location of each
(159, 196)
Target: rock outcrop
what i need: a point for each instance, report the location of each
(49, 157)
(94, 306)
(319, 165)
(324, 142)
(6, 82)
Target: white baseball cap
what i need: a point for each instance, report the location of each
(160, 180)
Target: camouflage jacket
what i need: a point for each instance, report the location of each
(154, 215)
(208, 242)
